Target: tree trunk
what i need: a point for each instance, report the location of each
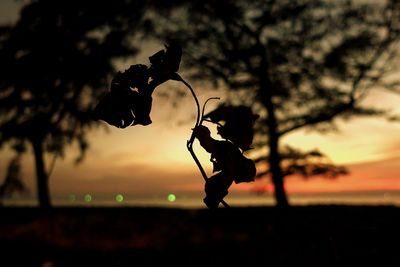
(274, 157)
(41, 175)
(265, 92)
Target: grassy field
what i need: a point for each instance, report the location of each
(264, 236)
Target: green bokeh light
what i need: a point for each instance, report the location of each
(87, 198)
(71, 197)
(119, 198)
(171, 198)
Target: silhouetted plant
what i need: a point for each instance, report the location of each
(129, 102)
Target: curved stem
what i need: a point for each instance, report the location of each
(204, 107)
(189, 146)
(203, 173)
(179, 78)
(199, 120)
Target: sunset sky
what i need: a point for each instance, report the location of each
(153, 160)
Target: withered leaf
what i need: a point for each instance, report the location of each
(216, 188)
(137, 76)
(238, 124)
(203, 134)
(129, 100)
(123, 108)
(226, 157)
(165, 63)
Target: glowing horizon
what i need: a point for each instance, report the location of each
(154, 159)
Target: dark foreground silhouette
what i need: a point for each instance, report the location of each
(265, 236)
(129, 103)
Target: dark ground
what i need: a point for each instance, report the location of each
(265, 236)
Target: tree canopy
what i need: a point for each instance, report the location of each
(55, 62)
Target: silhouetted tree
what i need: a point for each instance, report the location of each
(55, 62)
(299, 63)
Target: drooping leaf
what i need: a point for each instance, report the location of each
(137, 76)
(238, 126)
(246, 171)
(226, 157)
(165, 63)
(129, 100)
(122, 109)
(216, 188)
(203, 134)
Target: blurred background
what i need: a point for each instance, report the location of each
(323, 75)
